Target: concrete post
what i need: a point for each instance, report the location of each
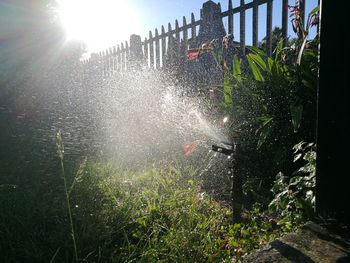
(211, 26)
(136, 54)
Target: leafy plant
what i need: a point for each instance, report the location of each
(294, 196)
(271, 102)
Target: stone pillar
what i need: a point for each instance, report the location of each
(204, 72)
(136, 54)
(211, 26)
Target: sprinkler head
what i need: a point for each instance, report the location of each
(228, 143)
(223, 150)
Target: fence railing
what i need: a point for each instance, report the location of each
(165, 47)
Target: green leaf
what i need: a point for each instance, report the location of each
(264, 132)
(297, 157)
(265, 120)
(259, 61)
(308, 168)
(314, 11)
(278, 49)
(257, 51)
(237, 69)
(227, 91)
(299, 146)
(255, 70)
(296, 111)
(270, 64)
(310, 156)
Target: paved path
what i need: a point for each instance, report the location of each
(311, 244)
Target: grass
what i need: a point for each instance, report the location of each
(158, 216)
(155, 216)
(116, 215)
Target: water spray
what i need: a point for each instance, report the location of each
(230, 150)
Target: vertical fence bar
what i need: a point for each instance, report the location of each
(157, 49)
(230, 18)
(242, 28)
(302, 8)
(284, 21)
(102, 62)
(99, 60)
(151, 50)
(111, 60)
(163, 47)
(269, 28)
(114, 59)
(118, 59)
(122, 57)
(193, 27)
(185, 34)
(177, 37)
(255, 22)
(170, 44)
(127, 55)
(106, 61)
(145, 49)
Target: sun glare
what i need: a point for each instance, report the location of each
(98, 23)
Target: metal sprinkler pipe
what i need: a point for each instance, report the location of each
(236, 179)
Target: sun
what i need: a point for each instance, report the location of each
(98, 23)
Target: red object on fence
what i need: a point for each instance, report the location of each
(193, 53)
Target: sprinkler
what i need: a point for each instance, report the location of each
(223, 150)
(236, 179)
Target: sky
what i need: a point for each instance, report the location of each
(121, 18)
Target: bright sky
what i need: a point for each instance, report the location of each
(104, 23)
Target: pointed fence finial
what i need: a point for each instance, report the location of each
(193, 26)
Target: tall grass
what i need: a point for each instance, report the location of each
(118, 215)
(60, 151)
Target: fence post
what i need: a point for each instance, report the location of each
(193, 28)
(255, 22)
(177, 38)
(163, 47)
(302, 8)
(145, 50)
(151, 51)
(114, 59)
(242, 28)
(285, 22)
(269, 28)
(170, 51)
(185, 34)
(119, 59)
(122, 57)
(230, 18)
(127, 56)
(156, 36)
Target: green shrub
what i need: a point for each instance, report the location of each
(294, 196)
